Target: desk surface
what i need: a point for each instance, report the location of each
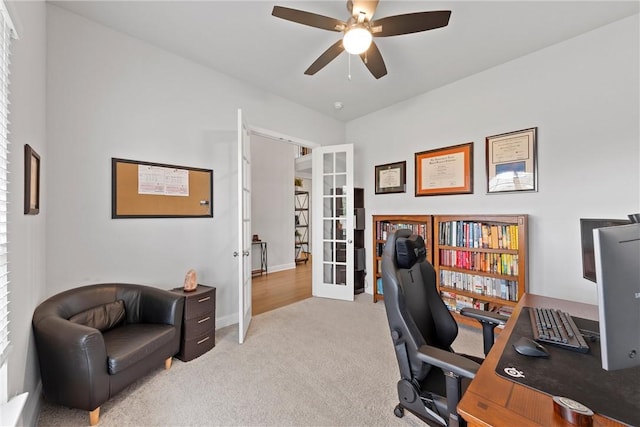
(492, 400)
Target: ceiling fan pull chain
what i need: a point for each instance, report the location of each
(349, 75)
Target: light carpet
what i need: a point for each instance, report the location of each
(317, 362)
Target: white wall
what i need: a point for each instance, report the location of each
(272, 207)
(27, 277)
(583, 95)
(110, 95)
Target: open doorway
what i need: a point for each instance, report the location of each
(278, 279)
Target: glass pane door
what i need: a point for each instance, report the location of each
(333, 269)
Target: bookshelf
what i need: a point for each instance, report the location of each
(480, 261)
(359, 269)
(382, 225)
(301, 242)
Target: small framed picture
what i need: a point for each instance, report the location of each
(391, 178)
(511, 161)
(447, 170)
(31, 181)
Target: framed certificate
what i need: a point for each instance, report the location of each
(391, 178)
(446, 170)
(511, 161)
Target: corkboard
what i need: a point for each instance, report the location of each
(189, 195)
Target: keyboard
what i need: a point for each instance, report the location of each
(556, 327)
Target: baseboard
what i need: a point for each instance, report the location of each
(32, 407)
(227, 320)
(232, 319)
(281, 267)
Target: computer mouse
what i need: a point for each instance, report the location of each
(529, 347)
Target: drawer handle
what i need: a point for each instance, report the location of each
(204, 320)
(203, 340)
(204, 299)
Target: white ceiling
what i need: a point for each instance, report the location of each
(241, 38)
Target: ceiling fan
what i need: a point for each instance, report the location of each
(360, 29)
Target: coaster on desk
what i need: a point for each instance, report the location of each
(574, 412)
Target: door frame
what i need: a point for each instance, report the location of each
(244, 322)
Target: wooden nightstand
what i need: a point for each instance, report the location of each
(198, 323)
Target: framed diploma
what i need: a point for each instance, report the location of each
(391, 178)
(31, 181)
(512, 161)
(446, 170)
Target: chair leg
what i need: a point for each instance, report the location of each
(167, 363)
(94, 416)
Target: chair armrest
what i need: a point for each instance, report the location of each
(161, 306)
(448, 361)
(72, 361)
(484, 316)
(489, 321)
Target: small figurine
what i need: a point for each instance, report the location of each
(190, 282)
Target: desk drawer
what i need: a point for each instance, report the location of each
(193, 348)
(200, 305)
(193, 328)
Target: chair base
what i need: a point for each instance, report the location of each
(410, 400)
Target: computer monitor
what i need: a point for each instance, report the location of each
(587, 225)
(617, 262)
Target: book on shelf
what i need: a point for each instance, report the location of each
(505, 310)
(481, 305)
(379, 286)
(481, 285)
(386, 227)
(456, 302)
(496, 263)
(463, 302)
(449, 299)
(473, 234)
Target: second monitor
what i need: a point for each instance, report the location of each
(617, 264)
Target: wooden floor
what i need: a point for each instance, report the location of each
(281, 288)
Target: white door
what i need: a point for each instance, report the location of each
(244, 228)
(333, 222)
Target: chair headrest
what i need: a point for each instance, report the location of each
(410, 251)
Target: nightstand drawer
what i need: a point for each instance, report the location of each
(198, 346)
(195, 327)
(199, 305)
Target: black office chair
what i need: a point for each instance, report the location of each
(433, 377)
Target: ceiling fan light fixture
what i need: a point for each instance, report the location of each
(357, 40)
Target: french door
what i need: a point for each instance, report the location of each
(333, 217)
(244, 228)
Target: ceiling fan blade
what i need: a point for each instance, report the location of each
(372, 59)
(308, 18)
(328, 56)
(410, 23)
(366, 7)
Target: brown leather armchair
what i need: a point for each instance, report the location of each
(95, 340)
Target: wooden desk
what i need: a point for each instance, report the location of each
(492, 400)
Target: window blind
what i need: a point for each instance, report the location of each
(7, 31)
